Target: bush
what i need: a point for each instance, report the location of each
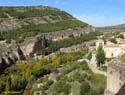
(121, 36)
(49, 83)
(84, 88)
(62, 87)
(89, 56)
(85, 66)
(113, 40)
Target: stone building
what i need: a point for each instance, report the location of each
(112, 50)
(116, 77)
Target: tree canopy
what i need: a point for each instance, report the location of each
(100, 56)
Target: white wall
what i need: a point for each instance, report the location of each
(112, 52)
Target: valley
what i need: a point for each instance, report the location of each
(47, 51)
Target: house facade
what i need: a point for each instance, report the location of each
(112, 50)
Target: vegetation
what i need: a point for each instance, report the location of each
(85, 88)
(77, 81)
(21, 74)
(23, 12)
(54, 46)
(113, 40)
(100, 56)
(71, 74)
(89, 56)
(121, 36)
(103, 68)
(62, 21)
(32, 30)
(24, 74)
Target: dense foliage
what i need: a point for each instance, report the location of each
(17, 77)
(21, 77)
(72, 78)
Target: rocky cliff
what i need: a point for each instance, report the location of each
(24, 25)
(11, 53)
(8, 55)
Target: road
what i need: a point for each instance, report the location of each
(93, 68)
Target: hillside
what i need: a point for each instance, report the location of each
(60, 75)
(114, 28)
(36, 58)
(15, 17)
(21, 22)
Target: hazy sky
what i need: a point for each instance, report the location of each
(94, 12)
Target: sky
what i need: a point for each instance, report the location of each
(94, 12)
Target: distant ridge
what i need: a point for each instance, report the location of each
(112, 29)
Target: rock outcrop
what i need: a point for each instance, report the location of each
(33, 44)
(8, 55)
(41, 42)
(63, 34)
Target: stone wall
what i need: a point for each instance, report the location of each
(116, 77)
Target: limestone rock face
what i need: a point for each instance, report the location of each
(41, 42)
(33, 45)
(21, 54)
(8, 55)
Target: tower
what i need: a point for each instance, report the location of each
(116, 77)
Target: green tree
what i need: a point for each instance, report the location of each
(84, 88)
(89, 56)
(121, 36)
(113, 40)
(70, 57)
(100, 56)
(56, 62)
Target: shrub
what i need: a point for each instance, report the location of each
(84, 88)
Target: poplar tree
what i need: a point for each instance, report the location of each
(100, 56)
